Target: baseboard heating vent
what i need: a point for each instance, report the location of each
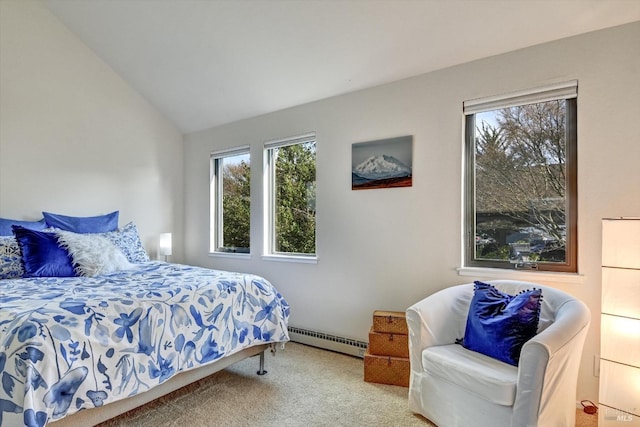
(328, 342)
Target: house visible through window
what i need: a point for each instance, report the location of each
(521, 180)
(230, 201)
(291, 196)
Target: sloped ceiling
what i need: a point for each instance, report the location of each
(203, 63)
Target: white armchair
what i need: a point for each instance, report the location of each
(453, 386)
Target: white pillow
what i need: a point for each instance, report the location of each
(92, 254)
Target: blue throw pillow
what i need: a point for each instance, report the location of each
(77, 224)
(42, 256)
(499, 324)
(5, 225)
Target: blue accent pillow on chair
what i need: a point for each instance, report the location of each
(77, 224)
(42, 256)
(5, 225)
(499, 324)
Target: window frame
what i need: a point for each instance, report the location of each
(269, 251)
(216, 206)
(567, 91)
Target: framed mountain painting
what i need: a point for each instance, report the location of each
(384, 163)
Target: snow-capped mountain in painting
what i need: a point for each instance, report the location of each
(382, 167)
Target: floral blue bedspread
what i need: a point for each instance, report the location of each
(68, 344)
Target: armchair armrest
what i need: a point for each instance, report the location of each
(439, 319)
(547, 357)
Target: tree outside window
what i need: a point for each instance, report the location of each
(521, 186)
(292, 196)
(231, 202)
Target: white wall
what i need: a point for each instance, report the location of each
(75, 138)
(385, 249)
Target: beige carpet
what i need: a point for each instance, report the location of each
(305, 386)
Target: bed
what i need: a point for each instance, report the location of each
(80, 350)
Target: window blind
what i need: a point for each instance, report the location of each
(230, 152)
(566, 90)
(283, 142)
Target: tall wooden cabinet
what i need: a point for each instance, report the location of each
(620, 324)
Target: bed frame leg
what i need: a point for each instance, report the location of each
(261, 371)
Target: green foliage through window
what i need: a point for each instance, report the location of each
(236, 204)
(232, 203)
(294, 198)
(521, 186)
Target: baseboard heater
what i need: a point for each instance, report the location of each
(328, 342)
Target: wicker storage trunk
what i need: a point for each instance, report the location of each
(386, 370)
(383, 344)
(387, 358)
(393, 322)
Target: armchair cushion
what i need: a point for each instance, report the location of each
(499, 324)
(484, 376)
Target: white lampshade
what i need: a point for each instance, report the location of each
(621, 242)
(165, 244)
(621, 291)
(620, 341)
(619, 391)
(620, 323)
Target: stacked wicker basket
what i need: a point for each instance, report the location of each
(387, 358)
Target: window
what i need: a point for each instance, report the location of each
(230, 201)
(521, 180)
(290, 166)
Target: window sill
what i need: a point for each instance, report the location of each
(292, 258)
(235, 255)
(524, 275)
